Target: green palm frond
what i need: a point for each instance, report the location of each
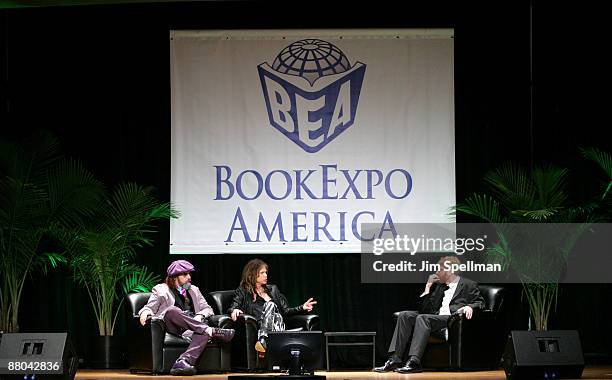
(22, 251)
(21, 204)
(537, 195)
(588, 213)
(50, 260)
(538, 215)
(511, 186)
(74, 193)
(164, 211)
(500, 253)
(132, 208)
(600, 157)
(604, 160)
(482, 206)
(138, 280)
(550, 183)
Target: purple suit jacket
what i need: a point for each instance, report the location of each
(162, 299)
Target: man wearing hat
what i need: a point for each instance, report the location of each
(184, 310)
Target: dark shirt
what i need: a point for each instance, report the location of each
(183, 303)
(258, 307)
(243, 300)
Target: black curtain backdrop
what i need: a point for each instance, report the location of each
(98, 78)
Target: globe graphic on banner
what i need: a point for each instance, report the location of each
(311, 59)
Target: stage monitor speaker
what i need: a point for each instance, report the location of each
(37, 355)
(543, 355)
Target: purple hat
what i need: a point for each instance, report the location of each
(178, 267)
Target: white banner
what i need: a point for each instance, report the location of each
(286, 142)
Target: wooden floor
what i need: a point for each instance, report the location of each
(589, 373)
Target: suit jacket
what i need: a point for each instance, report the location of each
(466, 294)
(162, 298)
(243, 300)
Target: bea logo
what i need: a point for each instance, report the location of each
(311, 92)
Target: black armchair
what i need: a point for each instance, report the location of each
(477, 343)
(244, 355)
(152, 349)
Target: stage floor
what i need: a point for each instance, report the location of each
(591, 372)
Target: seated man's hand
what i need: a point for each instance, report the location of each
(433, 278)
(308, 305)
(143, 318)
(236, 313)
(199, 317)
(467, 310)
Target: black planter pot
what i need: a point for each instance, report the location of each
(107, 352)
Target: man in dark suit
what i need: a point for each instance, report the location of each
(445, 293)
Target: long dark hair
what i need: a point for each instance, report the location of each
(170, 281)
(248, 281)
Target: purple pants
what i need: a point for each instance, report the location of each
(177, 322)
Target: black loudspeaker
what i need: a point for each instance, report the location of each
(543, 355)
(37, 355)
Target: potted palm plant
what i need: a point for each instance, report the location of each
(536, 196)
(102, 255)
(39, 192)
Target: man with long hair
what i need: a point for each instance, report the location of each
(264, 302)
(184, 310)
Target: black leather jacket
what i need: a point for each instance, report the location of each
(243, 300)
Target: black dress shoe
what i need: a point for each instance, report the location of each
(411, 366)
(389, 365)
